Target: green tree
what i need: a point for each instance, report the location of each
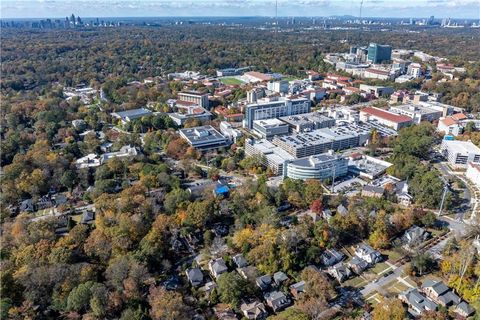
(232, 288)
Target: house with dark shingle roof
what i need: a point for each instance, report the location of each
(277, 300)
(217, 267)
(264, 282)
(240, 260)
(417, 303)
(440, 293)
(194, 276)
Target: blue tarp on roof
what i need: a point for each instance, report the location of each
(222, 190)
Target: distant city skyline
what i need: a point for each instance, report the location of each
(460, 9)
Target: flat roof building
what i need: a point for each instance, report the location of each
(204, 137)
(275, 109)
(275, 157)
(270, 127)
(418, 113)
(194, 112)
(199, 98)
(459, 153)
(308, 122)
(129, 115)
(386, 118)
(322, 166)
(320, 141)
(378, 53)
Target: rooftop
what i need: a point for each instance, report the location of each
(390, 116)
(201, 134)
(462, 146)
(269, 123)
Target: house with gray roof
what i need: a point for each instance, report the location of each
(217, 267)
(417, 303)
(277, 300)
(440, 293)
(279, 277)
(194, 276)
(240, 260)
(464, 309)
(367, 253)
(340, 272)
(297, 289)
(264, 282)
(331, 256)
(357, 265)
(413, 237)
(88, 217)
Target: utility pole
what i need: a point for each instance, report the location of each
(445, 190)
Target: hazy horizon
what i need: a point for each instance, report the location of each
(38, 9)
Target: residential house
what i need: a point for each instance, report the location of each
(331, 257)
(417, 303)
(254, 310)
(27, 206)
(279, 277)
(239, 261)
(88, 217)
(340, 272)
(373, 191)
(464, 309)
(277, 300)
(413, 237)
(248, 273)
(367, 253)
(194, 276)
(357, 265)
(401, 192)
(264, 282)
(440, 293)
(297, 289)
(91, 160)
(224, 312)
(217, 267)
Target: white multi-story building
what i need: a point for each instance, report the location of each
(270, 127)
(418, 113)
(459, 153)
(278, 86)
(275, 109)
(323, 166)
(274, 157)
(229, 131)
(201, 99)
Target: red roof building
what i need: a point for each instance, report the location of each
(386, 118)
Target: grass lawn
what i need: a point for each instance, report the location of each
(231, 81)
(76, 218)
(393, 255)
(395, 287)
(379, 267)
(354, 282)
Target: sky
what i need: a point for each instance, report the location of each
(191, 8)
